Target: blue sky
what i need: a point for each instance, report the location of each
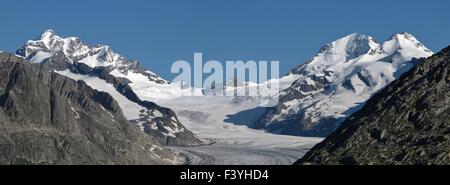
(157, 33)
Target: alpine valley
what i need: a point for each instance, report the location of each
(66, 102)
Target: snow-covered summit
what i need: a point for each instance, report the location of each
(339, 79)
(348, 47)
(49, 44)
(357, 46)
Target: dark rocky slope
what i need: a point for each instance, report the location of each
(406, 123)
(46, 118)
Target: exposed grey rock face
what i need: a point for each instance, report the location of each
(406, 123)
(59, 54)
(46, 118)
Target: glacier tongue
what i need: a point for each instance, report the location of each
(338, 80)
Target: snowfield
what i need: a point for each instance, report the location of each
(130, 109)
(212, 118)
(224, 123)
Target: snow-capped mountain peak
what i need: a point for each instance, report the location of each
(49, 44)
(362, 48)
(403, 41)
(47, 36)
(340, 78)
(75, 50)
(348, 47)
(339, 51)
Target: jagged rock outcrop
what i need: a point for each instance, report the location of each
(46, 118)
(406, 123)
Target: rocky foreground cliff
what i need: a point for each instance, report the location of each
(46, 118)
(406, 123)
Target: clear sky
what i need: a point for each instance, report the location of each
(157, 33)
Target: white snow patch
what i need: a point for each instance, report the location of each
(309, 81)
(110, 114)
(40, 56)
(152, 91)
(77, 115)
(130, 109)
